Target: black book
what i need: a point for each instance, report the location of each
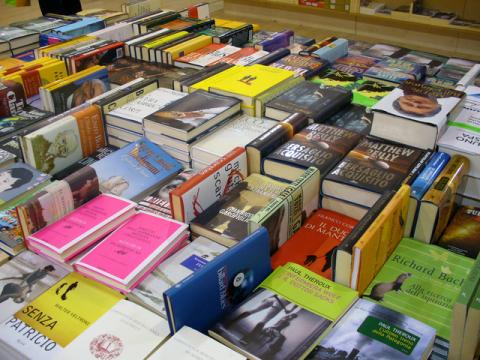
(13, 125)
(314, 100)
(151, 23)
(318, 145)
(235, 37)
(184, 82)
(272, 57)
(373, 167)
(192, 115)
(353, 117)
(157, 55)
(272, 139)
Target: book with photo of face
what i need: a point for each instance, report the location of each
(416, 114)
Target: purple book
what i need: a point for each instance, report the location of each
(276, 41)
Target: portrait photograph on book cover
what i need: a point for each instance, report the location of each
(267, 326)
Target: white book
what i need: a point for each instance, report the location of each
(176, 268)
(127, 331)
(237, 132)
(117, 32)
(131, 115)
(215, 55)
(190, 344)
(23, 279)
(251, 58)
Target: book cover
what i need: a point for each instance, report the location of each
(313, 100)
(12, 98)
(135, 170)
(24, 278)
(381, 51)
(220, 285)
(102, 55)
(194, 196)
(318, 145)
(354, 64)
(421, 280)
(333, 77)
(368, 328)
(228, 217)
(141, 241)
(275, 41)
(271, 57)
(368, 93)
(285, 317)
(433, 62)
(11, 34)
(206, 56)
(375, 166)
(396, 71)
(241, 57)
(462, 235)
(306, 66)
(186, 261)
(237, 36)
(74, 227)
(313, 244)
(19, 179)
(353, 117)
(125, 331)
(11, 235)
(29, 115)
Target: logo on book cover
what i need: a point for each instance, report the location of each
(106, 347)
(248, 79)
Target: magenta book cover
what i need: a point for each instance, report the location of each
(132, 246)
(81, 222)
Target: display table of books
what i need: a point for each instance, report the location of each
(175, 186)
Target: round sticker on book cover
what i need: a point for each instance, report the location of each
(106, 347)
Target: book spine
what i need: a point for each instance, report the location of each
(237, 37)
(418, 168)
(272, 57)
(428, 175)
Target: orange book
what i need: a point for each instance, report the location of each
(313, 244)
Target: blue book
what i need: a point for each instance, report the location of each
(203, 298)
(277, 41)
(395, 71)
(135, 170)
(84, 26)
(333, 51)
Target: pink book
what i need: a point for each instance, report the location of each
(82, 227)
(132, 250)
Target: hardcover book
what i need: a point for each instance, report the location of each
(81, 228)
(315, 101)
(220, 285)
(226, 220)
(23, 279)
(275, 41)
(368, 93)
(125, 257)
(395, 71)
(194, 196)
(298, 302)
(333, 77)
(421, 280)
(11, 235)
(370, 169)
(186, 261)
(313, 244)
(368, 328)
(318, 145)
(28, 116)
(354, 64)
(353, 117)
(415, 114)
(188, 117)
(306, 66)
(12, 98)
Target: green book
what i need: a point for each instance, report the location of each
(422, 281)
(367, 93)
(472, 328)
(459, 317)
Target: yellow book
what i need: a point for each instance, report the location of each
(53, 71)
(250, 82)
(68, 308)
(186, 47)
(72, 78)
(233, 24)
(379, 240)
(208, 82)
(3, 258)
(9, 63)
(45, 50)
(163, 40)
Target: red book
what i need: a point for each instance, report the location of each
(313, 244)
(104, 55)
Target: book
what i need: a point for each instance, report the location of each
(158, 202)
(369, 328)
(353, 117)
(313, 100)
(472, 326)
(6, 158)
(420, 186)
(333, 77)
(395, 71)
(126, 256)
(24, 278)
(276, 41)
(227, 219)
(370, 169)
(460, 236)
(461, 135)
(101, 55)
(436, 206)
(11, 236)
(419, 280)
(354, 64)
(14, 38)
(18, 181)
(271, 57)
(205, 56)
(298, 301)
(195, 195)
(368, 93)
(238, 36)
(12, 98)
(184, 82)
(190, 344)
(127, 328)
(220, 285)
(306, 66)
(382, 51)
(343, 207)
(130, 116)
(415, 114)
(236, 132)
(22, 121)
(330, 52)
(78, 230)
(432, 62)
(192, 115)
(313, 244)
(186, 261)
(60, 144)
(244, 57)
(318, 145)
(263, 145)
